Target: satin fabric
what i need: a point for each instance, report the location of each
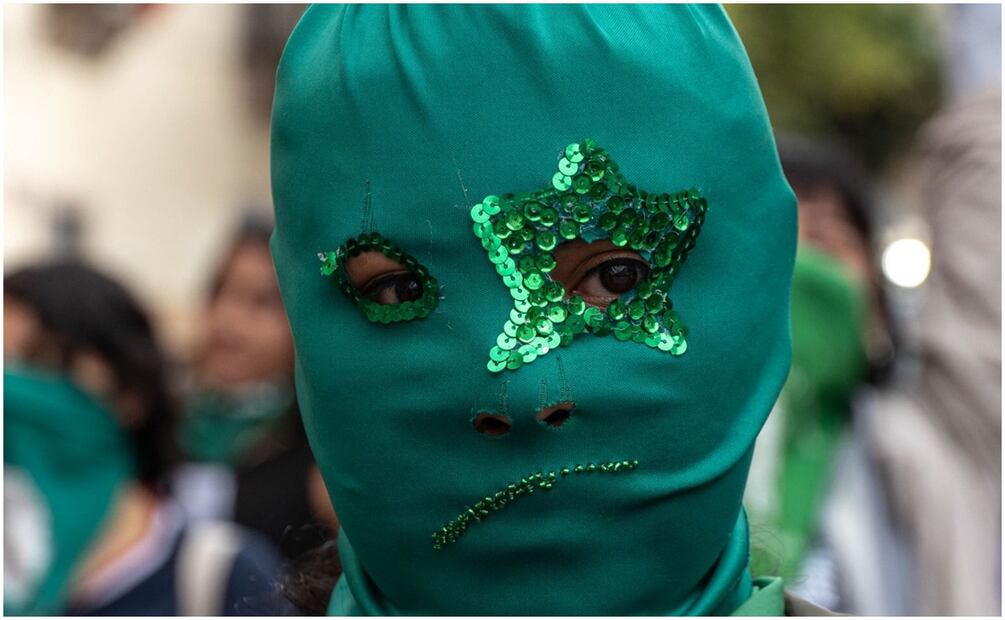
(398, 119)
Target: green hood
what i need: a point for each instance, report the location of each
(401, 120)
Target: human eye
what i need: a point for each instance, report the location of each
(599, 272)
(610, 279)
(393, 288)
(384, 282)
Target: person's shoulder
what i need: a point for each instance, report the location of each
(225, 569)
(253, 586)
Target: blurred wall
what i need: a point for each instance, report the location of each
(154, 143)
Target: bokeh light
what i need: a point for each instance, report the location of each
(906, 262)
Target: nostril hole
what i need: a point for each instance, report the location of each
(491, 424)
(556, 415)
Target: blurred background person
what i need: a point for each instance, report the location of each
(880, 473)
(843, 348)
(91, 527)
(248, 457)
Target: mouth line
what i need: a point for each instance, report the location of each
(506, 495)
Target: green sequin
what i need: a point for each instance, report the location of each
(616, 310)
(513, 278)
(498, 255)
(545, 262)
(478, 213)
(506, 268)
(547, 241)
(554, 292)
(533, 281)
(636, 309)
(333, 265)
(587, 196)
(567, 167)
(568, 230)
(480, 510)
(573, 153)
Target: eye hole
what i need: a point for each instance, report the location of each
(380, 279)
(393, 288)
(383, 280)
(599, 272)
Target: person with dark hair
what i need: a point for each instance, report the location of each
(838, 217)
(91, 527)
(809, 457)
(247, 458)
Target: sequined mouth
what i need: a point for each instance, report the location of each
(508, 494)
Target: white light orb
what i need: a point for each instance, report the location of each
(906, 262)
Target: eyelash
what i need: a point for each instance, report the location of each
(380, 283)
(422, 298)
(401, 287)
(592, 268)
(597, 261)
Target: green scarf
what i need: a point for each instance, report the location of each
(221, 428)
(65, 457)
(458, 135)
(829, 309)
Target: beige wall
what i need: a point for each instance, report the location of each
(155, 141)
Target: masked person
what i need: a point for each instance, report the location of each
(551, 313)
(247, 457)
(90, 526)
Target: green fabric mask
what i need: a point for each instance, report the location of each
(400, 120)
(65, 457)
(220, 428)
(829, 310)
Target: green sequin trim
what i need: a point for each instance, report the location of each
(333, 265)
(587, 199)
(541, 481)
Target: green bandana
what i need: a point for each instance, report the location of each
(828, 360)
(65, 457)
(220, 428)
(467, 143)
